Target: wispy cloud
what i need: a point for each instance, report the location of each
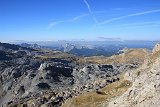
(90, 11)
(76, 18)
(54, 23)
(130, 15)
(79, 17)
(141, 23)
(142, 26)
(118, 8)
(51, 24)
(88, 6)
(149, 24)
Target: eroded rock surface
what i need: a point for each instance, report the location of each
(30, 77)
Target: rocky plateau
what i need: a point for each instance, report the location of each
(40, 77)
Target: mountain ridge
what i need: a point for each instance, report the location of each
(144, 90)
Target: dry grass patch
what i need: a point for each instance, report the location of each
(59, 55)
(94, 99)
(129, 56)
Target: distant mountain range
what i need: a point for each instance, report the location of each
(90, 48)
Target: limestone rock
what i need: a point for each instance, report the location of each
(156, 48)
(145, 91)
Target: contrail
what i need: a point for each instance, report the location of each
(88, 6)
(90, 11)
(141, 24)
(79, 17)
(54, 23)
(130, 15)
(51, 24)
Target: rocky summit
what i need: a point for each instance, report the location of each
(41, 77)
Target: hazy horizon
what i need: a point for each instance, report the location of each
(69, 40)
(52, 20)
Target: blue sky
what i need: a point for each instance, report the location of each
(41, 20)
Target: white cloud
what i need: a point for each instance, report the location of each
(108, 39)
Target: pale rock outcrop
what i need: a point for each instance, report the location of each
(145, 91)
(156, 48)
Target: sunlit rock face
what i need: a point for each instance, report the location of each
(145, 91)
(156, 48)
